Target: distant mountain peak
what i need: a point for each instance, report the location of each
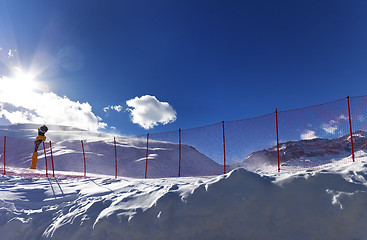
(306, 153)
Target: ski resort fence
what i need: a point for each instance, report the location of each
(306, 138)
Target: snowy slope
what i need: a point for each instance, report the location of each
(327, 204)
(55, 133)
(100, 153)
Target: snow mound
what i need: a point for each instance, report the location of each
(323, 204)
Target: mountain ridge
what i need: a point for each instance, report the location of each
(306, 153)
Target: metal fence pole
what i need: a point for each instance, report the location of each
(4, 153)
(224, 149)
(114, 140)
(276, 122)
(146, 157)
(350, 129)
(85, 164)
(52, 162)
(44, 149)
(179, 152)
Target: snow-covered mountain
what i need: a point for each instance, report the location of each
(307, 153)
(100, 153)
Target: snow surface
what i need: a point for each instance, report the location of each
(314, 204)
(323, 204)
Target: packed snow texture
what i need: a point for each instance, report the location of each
(323, 204)
(314, 204)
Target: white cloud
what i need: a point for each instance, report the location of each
(148, 111)
(330, 127)
(343, 117)
(308, 135)
(10, 54)
(117, 108)
(102, 125)
(19, 103)
(361, 118)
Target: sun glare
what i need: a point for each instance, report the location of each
(26, 79)
(21, 84)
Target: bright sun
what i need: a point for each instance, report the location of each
(21, 85)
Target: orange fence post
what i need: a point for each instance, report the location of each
(44, 149)
(179, 152)
(114, 139)
(276, 122)
(224, 149)
(146, 157)
(85, 165)
(52, 161)
(4, 153)
(350, 129)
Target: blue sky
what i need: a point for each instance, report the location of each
(209, 61)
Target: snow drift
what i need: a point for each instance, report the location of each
(324, 204)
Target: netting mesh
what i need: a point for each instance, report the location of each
(19, 153)
(163, 155)
(68, 156)
(308, 138)
(358, 112)
(202, 151)
(131, 156)
(245, 139)
(314, 135)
